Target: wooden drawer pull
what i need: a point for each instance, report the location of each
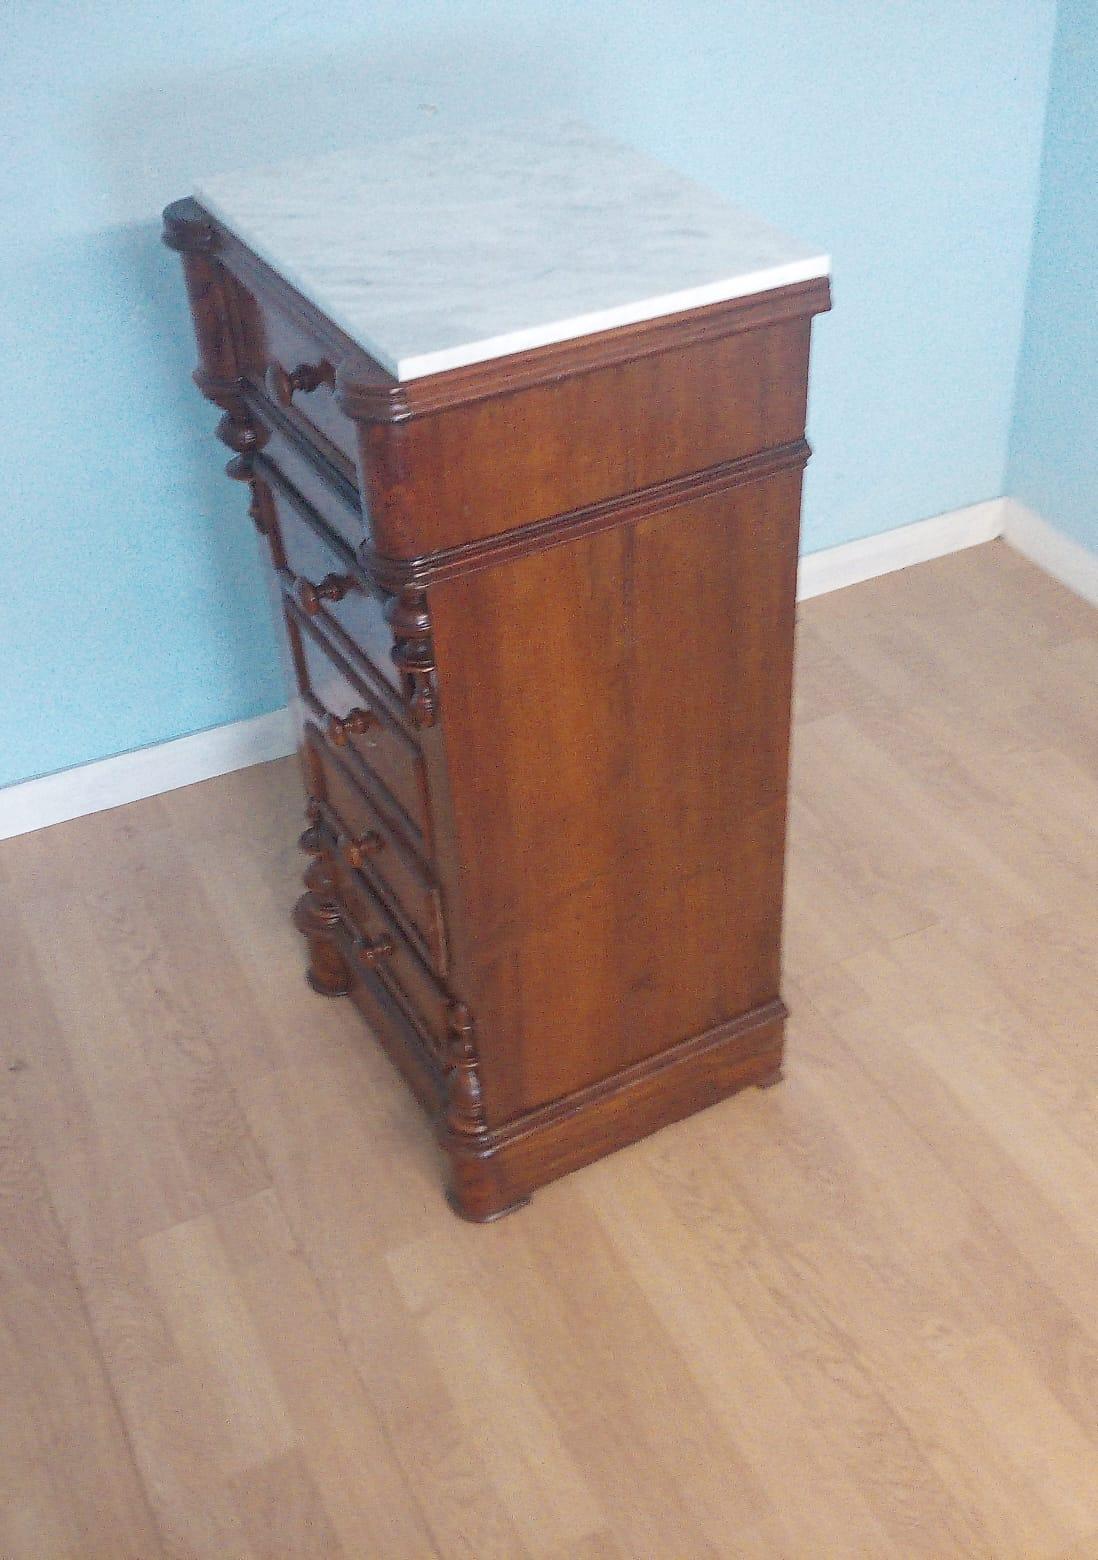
(333, 587)
(371, 950)
(367, 844)
(283, 386)
(357, 723)
(311, 842)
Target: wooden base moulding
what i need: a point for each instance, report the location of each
(493, 1171)
(496, 1173)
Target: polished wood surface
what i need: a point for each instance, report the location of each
(853, 1316)
(580, 561)
(630, 835)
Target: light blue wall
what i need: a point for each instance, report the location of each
(905, 138)
(1053, 462)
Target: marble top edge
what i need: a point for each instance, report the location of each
(440, 250)
(610, 319)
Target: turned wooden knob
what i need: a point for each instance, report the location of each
(311, 841)
(356, 723)
(371, 950)
(367, 844)
(333, 587)
(283, 386)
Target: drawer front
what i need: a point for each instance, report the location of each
(318, 484)
(322, 574)
(387, 952)
(291, 355)
(360, 725)
(367, 843)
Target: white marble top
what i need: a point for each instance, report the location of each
(444, 248)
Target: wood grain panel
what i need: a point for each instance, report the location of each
(592, 436)
(621, 853)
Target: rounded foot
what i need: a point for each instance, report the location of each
(472, 1216)
(328, 972)
(323, 988)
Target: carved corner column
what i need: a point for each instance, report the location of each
(317, 917)
(413, 652)
(478, 1189)
(187, 231)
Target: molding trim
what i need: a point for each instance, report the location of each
(111, 782)
(396, 574)
(1053, 551)
(852, 562)
(494, 1169)
(368, 392)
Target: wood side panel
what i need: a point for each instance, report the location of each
(615, 713)
(452, 476)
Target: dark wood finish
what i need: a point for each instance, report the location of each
(622, 855)
(370, 843)
(342, 702)
(291, 357)
(282, 386)
(542, 650)
(309, 483)
(346, 600)
(333, 587)
(592, 436)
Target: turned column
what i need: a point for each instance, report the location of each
(317, 917)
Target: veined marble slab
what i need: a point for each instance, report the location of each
(445, 248)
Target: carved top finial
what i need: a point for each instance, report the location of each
(188, 229)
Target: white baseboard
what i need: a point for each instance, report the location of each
(114, 781)
(852, 562)
(1059, 555)
(111, 782)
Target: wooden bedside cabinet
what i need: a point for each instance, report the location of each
(533, 504)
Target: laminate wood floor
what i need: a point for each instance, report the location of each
(856, 1315)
